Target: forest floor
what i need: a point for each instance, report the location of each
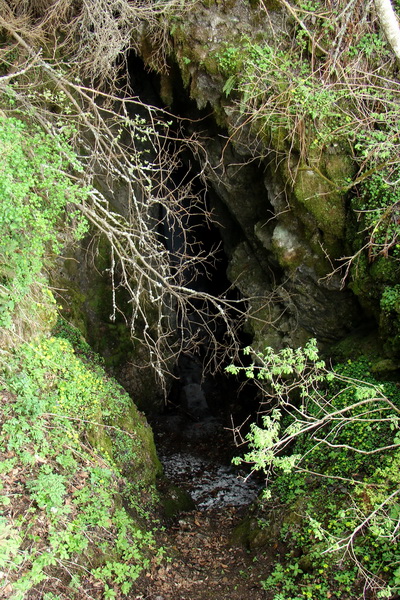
(201, 562)
(205, 564)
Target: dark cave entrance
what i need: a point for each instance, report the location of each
(193, 430)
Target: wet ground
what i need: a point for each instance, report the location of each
(196, 456)
(204, 564)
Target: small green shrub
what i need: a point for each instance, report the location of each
(330, 447)
(48, 488)
(390, 299)
(36, 195)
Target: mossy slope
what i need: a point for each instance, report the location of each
(78, 465)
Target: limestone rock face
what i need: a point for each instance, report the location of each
(283, 220)
(86, 301)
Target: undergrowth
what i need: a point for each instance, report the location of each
(330, 450)
(76, 476)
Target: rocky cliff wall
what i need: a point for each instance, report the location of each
(283, 218)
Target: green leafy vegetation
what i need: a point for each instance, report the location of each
(330, 447)
(69, 506)
(37, 196)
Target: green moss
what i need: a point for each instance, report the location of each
(360, 343)
(211, 65)
(276, 137)
(376, 285)
(99, 438)
(384, 367)
(72, 302)
(339, 167)
(87, 302)
(175, 500)
(318, 197)
(253, 534)
(385, 270)
(133, 446)
(119, 429)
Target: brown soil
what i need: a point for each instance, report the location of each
(205, 564)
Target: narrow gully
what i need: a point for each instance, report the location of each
(195, 442)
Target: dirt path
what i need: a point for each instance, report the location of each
(204, 565)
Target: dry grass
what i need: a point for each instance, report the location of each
(94, 36)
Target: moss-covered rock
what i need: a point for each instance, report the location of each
(174, 500)
(133, 446)
(324, 203)
(252, 534)
(339, 165)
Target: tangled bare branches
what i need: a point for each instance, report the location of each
(131, 153)
(94, 35)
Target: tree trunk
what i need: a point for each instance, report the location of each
(389, 23)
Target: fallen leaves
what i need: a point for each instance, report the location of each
(204, 560)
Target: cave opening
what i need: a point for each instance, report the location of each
(194, 428)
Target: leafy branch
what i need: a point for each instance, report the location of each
(333, 426)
